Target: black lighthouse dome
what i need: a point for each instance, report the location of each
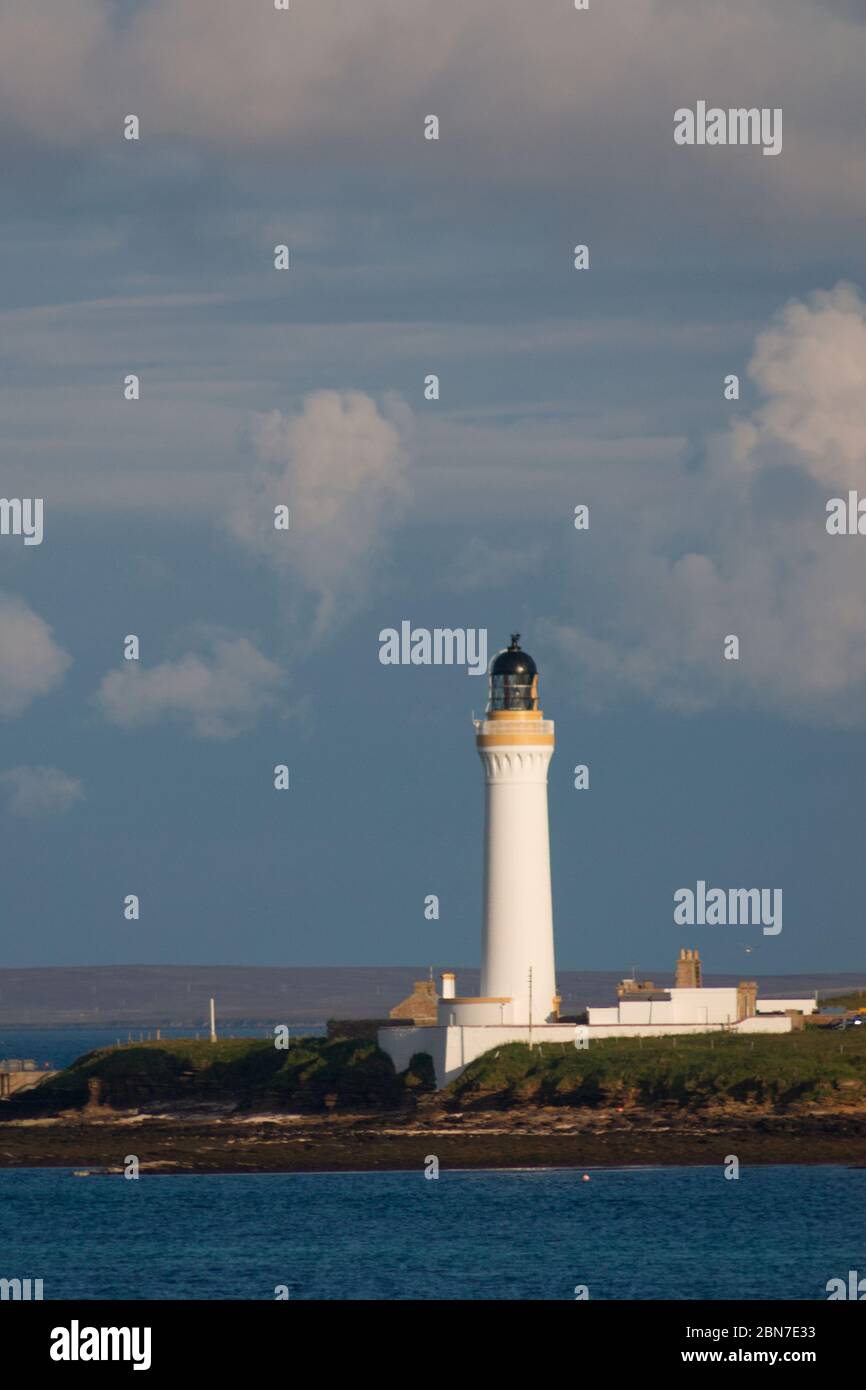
(513, 679)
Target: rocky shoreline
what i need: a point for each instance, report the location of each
(226, 1141)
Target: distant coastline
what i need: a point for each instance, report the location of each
(152, 996)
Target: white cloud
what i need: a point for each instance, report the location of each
(740, 546)
(519, 91)
(811, 365)
(220, 694)
(31, 662)
(341, 467)
(40, 791)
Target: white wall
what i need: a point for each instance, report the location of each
(700, 1006)
(664, 1030)
(452, 1049)
(602, 1016)
(776, 1006)
(473, 1012)
(712, 1005)
(769, 1023)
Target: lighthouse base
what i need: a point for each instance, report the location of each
(453, 1047)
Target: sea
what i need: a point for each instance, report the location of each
(545, 1234)
(775, 1232)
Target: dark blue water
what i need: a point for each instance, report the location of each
(775, 1233)
(60, 1046)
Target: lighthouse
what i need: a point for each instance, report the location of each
(515, 744)
(517, 1000)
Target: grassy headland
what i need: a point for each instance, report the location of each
(244, 1105)
(313, 1074)
(692, 1071)
(319, 1074)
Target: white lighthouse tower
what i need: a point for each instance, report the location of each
(517, 1001)
(515, 743)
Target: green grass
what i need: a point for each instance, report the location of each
(313, 1074)
(693, 1071)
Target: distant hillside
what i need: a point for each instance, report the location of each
(178, 994)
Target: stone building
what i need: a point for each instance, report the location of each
(420, 1006)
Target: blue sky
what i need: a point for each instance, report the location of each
(558, 387)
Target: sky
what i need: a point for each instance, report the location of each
(602, 387)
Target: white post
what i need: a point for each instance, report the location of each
(530, 1008)
(213, 1033)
